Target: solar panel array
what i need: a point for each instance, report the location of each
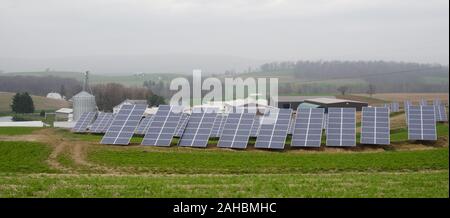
(308, 127)
(341, 129)
(218, 125)
(124, 124)
(273, 130)
(84, 121)
(161, 130)
(440, 113)
(198, 129)
(102, 123)
(181, 125)
(143, 125)
(423, 102)
(437, 102)
(375, 127)
(255, 126)
(395, 107)
(421, 123)
(236, 131)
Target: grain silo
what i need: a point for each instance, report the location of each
(83, 101)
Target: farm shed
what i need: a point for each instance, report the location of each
(333, 102)
(294, 101)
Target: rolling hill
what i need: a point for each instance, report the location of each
(40, 103)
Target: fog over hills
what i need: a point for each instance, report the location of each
(128, 64)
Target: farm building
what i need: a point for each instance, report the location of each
(333, 102)
(294, 101)
(64, 114)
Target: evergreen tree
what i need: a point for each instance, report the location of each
(22, 103)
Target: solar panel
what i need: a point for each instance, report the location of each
(124, 124)
(236, 131)
(218, 125)
(395, 107)
(405, 107)
(375, 127)
(82, 123)
(325, 121)
(437, 102)
(255, 126)
(163, 126)
(198, 129)
(308, 127)
(181, 125)
(423, 102)
(291, 125)
(421, 123)
(143, 125)
(273, 130)
(440, 113)
(341, 129)
(103, 119)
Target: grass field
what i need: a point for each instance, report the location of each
(40, 103)
(49, 162)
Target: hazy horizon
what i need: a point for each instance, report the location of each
(244, 33)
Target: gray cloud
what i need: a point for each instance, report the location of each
(402, 30)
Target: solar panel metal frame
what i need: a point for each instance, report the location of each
(181, 125)
(273, 130)
(422, 123)
(198, 129)
(163, 126)
(375, 126)
(99, 125)
(236, 131)
(437, 102)
(342, 123)
(255, 126)
(143, 125)
(83, 122)
(308, 127)
(124, 125)
(440, 113)
(218, 125)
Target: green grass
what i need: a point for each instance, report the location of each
(11, 131)
(23, 157)
(186, 161)
(407, 184)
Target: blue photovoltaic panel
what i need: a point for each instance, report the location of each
(181, 125)
(273, 130)
(198, 129)
(395, 107)
(84, 121)
(423, 102)
(218, 125)
(236, 131)
(440, 113)
(163, 126)
(421, 123)
(341, 129)
(255, 126)
(375, 126)
(101, 123)
(124, 124)
(144, 124)
(308, 127)
(291, 125)
(437, 102)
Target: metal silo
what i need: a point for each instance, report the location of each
(83, 101)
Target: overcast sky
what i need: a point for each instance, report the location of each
(409, 30)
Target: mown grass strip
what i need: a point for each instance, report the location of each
(378, 185)
(12, 131)
(185, 161)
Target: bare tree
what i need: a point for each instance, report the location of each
(343, 89)
(371, 89)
